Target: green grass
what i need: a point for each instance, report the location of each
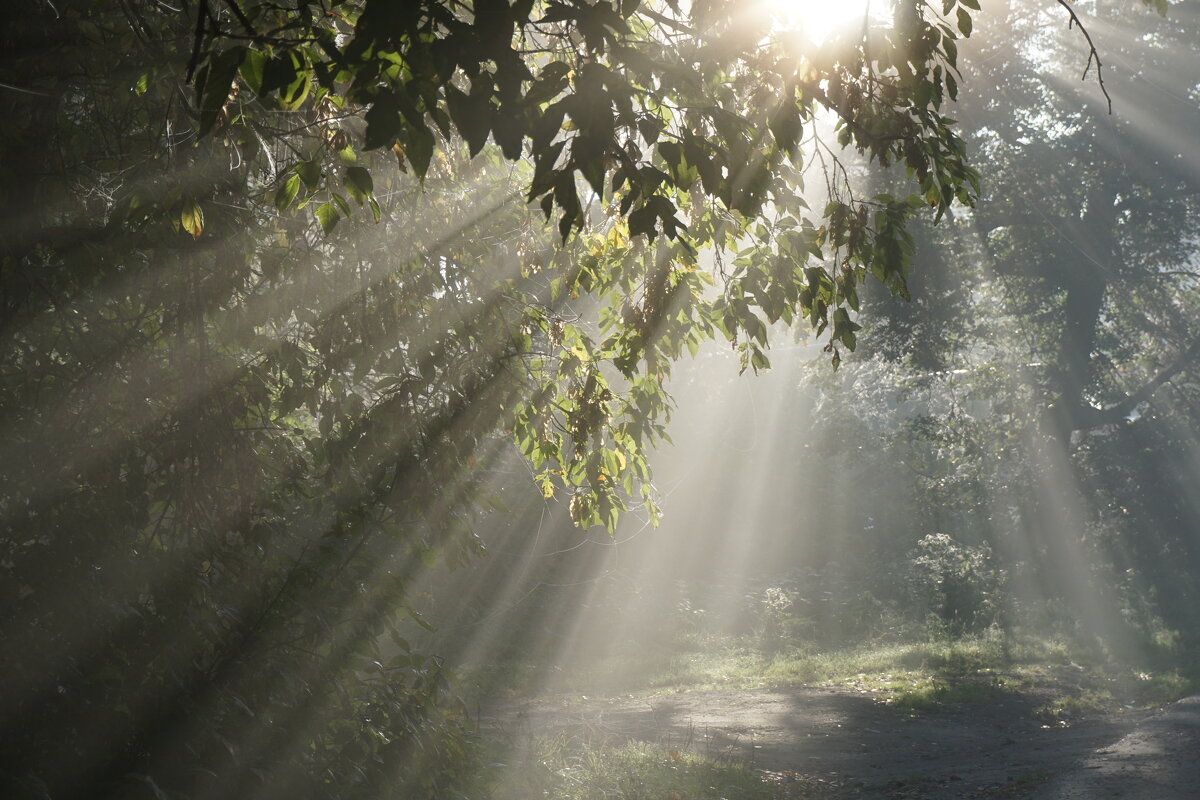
(728, 663)
(1083, 693)
(918, 692)
(916, 675)
(634, 771)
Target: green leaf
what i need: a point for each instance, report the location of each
(508, 130)
(587, 155)
(418, 148)
(292, 96)
(359, 184)
(287, 193)
(786, 127)
(951, 50)
(310, 173)
(383, 123)
(472, 116)
(671, 152)
(328, 215)
(417, 618)
(277, 73)
(252, 70)
(549, 84)
(964, 21)
(643, 221)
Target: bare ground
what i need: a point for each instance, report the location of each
(834, 743)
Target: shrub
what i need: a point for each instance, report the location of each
(958, 585)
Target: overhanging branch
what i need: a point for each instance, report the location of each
(1093, 53)
(1091, 417)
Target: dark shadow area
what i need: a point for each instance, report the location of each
(864, 748)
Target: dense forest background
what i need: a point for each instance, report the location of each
(316, 433)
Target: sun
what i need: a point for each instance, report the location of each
(820, 21)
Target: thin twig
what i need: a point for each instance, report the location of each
(667, 21)
(35, 92)
(1093, 53)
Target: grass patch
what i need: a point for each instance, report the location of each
(916, 675)
(558, 768)
(1081, 693)
(929, 693)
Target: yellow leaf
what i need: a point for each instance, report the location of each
(192, 218)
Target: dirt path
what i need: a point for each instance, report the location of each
(1156, 760)
(842, 744)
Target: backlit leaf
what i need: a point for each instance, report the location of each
(287, 193)
(327, 215)
(192, 218)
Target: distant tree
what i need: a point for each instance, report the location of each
(1056, 321)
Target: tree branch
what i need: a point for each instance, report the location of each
(1095, 417)
(1093, 53)
(197, 40)
(241, 17)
